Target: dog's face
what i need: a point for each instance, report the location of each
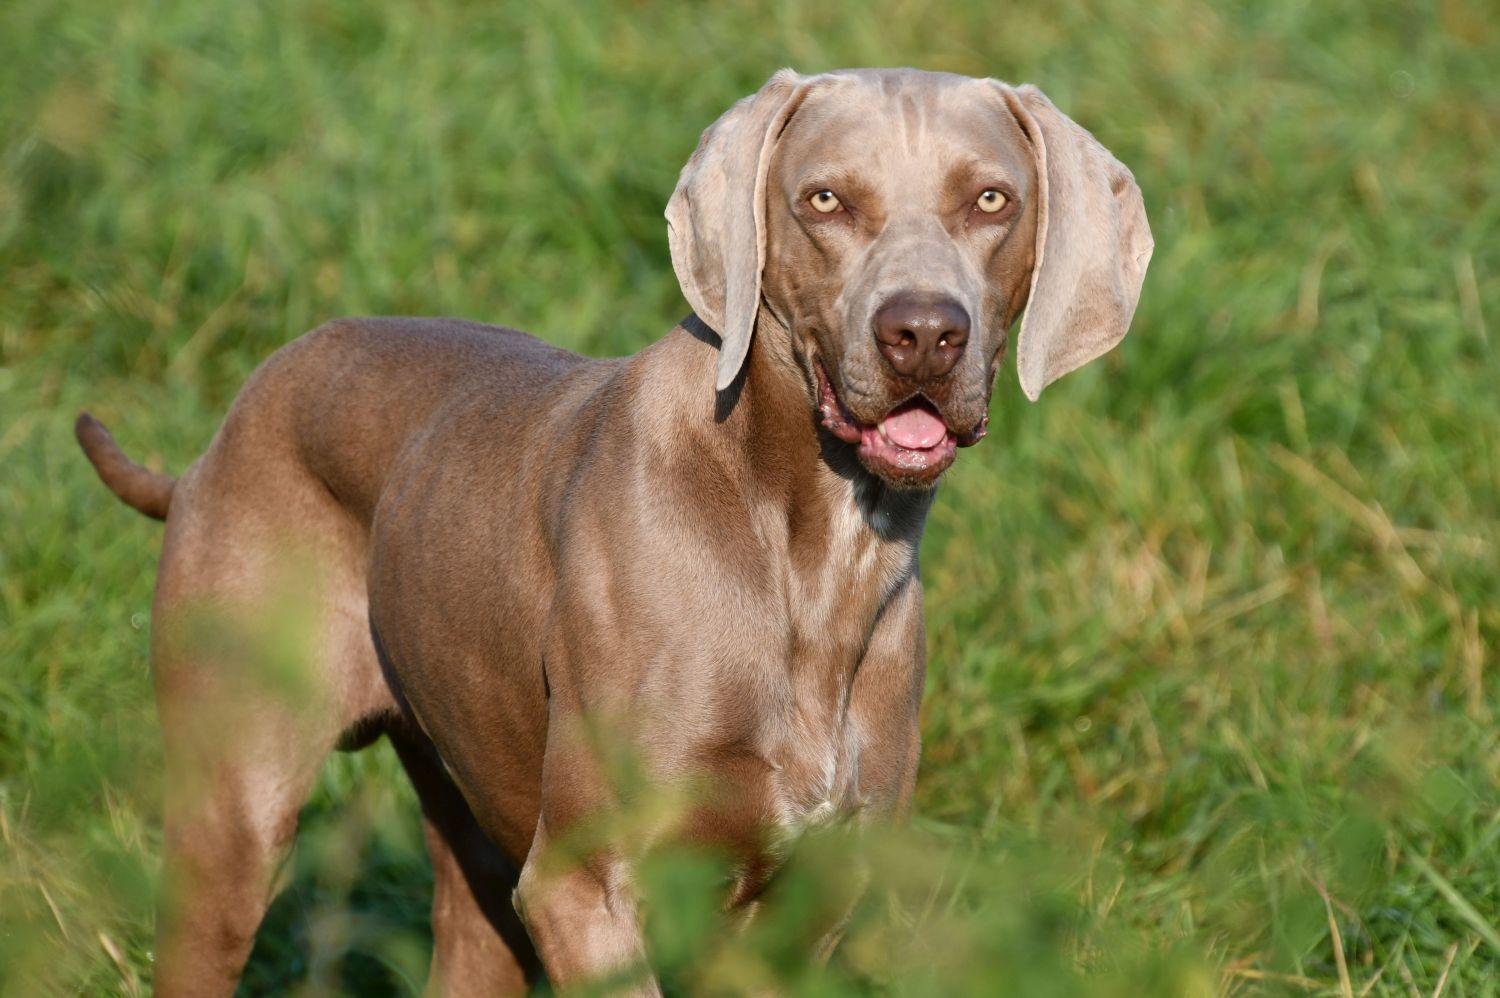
(894, 223)
(900, 231)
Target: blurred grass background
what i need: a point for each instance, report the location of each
(1212, 628)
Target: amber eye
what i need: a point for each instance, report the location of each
(991, 201)
(825, 201)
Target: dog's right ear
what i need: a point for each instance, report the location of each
(716, 220)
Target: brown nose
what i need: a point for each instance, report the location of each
(921, 336)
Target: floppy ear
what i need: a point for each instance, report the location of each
(716, 219)
(1092, 246)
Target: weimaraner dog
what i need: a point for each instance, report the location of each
(711, 544)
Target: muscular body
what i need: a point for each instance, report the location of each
(520, 564)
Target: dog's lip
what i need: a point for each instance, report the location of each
(837, 418)
(873, 442)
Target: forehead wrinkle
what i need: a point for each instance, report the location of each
(904, 142)
(913, 123)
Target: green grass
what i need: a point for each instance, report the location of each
(1212, 628)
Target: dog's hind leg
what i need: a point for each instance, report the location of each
(263, 663)
(230, 818)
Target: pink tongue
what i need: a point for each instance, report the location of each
(915, 428)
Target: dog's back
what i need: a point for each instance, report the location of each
(343, 400)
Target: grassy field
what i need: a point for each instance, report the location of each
(1212, 628)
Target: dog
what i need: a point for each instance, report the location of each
(712, 544)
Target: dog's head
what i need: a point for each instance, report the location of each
(895, 223)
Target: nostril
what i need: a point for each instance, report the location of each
(921, 335)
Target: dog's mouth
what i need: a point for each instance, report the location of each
(912, 444)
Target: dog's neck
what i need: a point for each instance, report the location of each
(794, 457)
(766, 427)
(848, 547)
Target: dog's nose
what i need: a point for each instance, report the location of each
(921, 336)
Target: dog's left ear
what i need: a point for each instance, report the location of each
(1092, 245)
(716, 220)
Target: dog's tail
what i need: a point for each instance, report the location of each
(141, 488)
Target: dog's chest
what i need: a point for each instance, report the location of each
(842, 559)
(815, 740)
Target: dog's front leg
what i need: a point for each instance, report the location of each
(584, 924)
(575, 893)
